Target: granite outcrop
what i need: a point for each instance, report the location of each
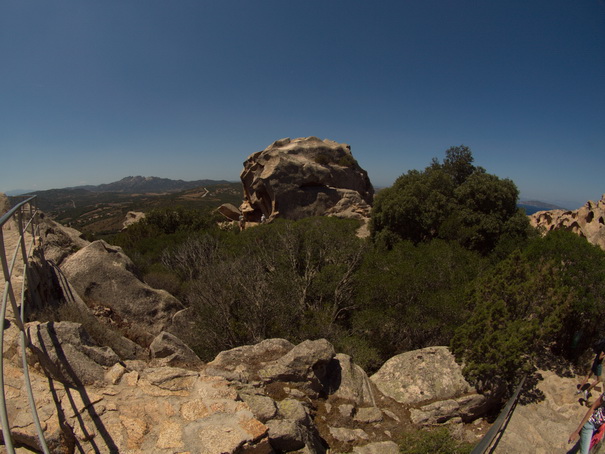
(587, 221)
(304, 177)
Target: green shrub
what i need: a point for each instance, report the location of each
(413, 296)
(323, 159)
(347, 160)
(518, 310)
(455, 201)
(547, 299)
(433, 441)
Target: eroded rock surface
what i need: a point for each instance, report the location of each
(104, 276)
(431, 381)
(587, 221)
(305, 177)
(264, 398)
(545, 425)
(59, 241)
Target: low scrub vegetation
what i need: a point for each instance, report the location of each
(451, 261)
(434, 441)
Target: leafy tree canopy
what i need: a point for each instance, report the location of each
(453, 200)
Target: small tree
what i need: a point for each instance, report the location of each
(454, 200)
(285, 279)
(548, 298)
(517, 311)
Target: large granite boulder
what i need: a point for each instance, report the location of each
(68, 353)
(350, 382)
(306, 363)
(587, 221)
(168, 350)
(430, 380)
(305, 177)
(105, 277)
(58, 241)
(242, 363)
(423, 375)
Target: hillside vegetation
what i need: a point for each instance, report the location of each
(98, 211)
(451, 260)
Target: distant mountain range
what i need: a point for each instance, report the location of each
(102, 209)
(143, 185)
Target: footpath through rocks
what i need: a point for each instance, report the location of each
(11, 238)
(543, 427)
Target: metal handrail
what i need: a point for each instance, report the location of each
(497, 429)
(27, 208)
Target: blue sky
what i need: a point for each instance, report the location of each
(93, 91)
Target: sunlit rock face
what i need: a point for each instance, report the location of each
(587, 221)
(305, 177)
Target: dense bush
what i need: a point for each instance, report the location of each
(581, 267)
(454, 201)
(545, 299)
(145, 241)
(412, 296)
(286, 279)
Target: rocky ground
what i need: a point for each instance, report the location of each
(263, 398)
(543, 427)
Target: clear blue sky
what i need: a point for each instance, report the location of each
(93, 91)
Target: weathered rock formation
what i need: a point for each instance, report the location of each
(101, 282)
(236, 404)
(132, 217)
(544, 426)
(265, 398)
(587, 221)
(59, 241)
(127, 406)
(305, 177)
(431, 381)
(100, 392)
(104, 277)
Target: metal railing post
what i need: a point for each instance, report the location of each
(487, 442)
(6, 434)
(18, 310)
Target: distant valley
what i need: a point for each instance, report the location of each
(100, 210)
